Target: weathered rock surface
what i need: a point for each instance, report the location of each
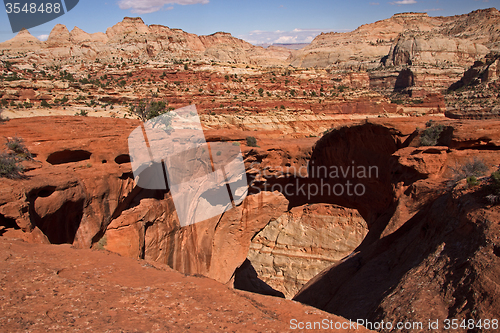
(298, 245)
(61, 289)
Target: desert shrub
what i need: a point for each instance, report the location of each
(430, 135)
(472, 181)
(9, 167)
(82, 113)
(45, 104)
(472, 168)
(494, 187)
(251, 141)
(18, 148)
(146, 109)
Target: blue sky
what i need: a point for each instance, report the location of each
(256, 21)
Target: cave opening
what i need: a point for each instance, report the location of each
(7, 223)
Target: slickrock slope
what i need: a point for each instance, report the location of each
(81, 191)
(56, 288)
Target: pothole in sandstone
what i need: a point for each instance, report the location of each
(122, 159)
(298, 245)
(68, 156)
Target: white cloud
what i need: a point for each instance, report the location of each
(286, 37)
(403, 2)
(150, 6)
(43, 37)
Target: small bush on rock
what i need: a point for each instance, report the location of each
(9, 167)
(251, 141)
(18, 148)
(494, 196)
(472, 168)
(431, 134)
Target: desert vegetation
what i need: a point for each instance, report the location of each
(11, 158)
(431, 134)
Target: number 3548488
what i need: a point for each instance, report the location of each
(33, 8)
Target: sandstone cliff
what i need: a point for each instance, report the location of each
(132, 39)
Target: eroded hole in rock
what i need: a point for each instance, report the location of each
(60, 227)
(7, 223)
(46, 191)
(122, 159)
(496, 251)
(298, 245)
(68, 156)
(57, 213)
(127, 175)
(333, 211)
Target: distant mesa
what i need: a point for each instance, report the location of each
(410, 14)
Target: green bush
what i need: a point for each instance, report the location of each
(472, 181)
(82, 113)
(45, 104)
(431, 134)
(18, 148)
(9, 167)
(146, 109)
(251, 141)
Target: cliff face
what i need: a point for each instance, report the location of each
(409, 38)
(132, 39)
